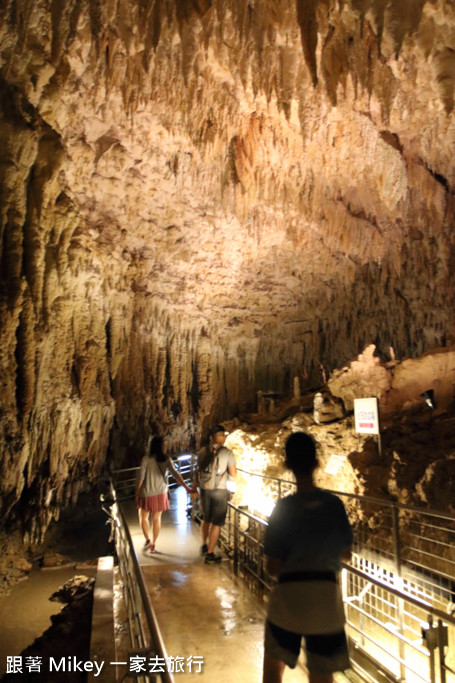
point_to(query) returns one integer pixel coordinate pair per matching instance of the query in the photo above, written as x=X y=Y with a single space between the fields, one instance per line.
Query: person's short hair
x=301 y=456
x=216 y=429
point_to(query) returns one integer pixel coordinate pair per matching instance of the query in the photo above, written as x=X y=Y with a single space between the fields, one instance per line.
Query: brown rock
x=13 y=568
x=52 y=560
x=399 y=385
x=300 y=422
x=327 y=408
x=437 y=486
x=73 y=588
x=364 y=377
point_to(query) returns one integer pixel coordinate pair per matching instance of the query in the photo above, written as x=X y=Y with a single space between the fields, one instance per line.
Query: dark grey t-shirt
x=308 y=531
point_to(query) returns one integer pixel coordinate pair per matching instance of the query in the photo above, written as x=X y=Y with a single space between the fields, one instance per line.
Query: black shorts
x=325 y=653
x=214 y=503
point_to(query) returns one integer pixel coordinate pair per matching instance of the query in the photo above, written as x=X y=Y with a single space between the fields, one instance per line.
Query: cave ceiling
x=200 y=199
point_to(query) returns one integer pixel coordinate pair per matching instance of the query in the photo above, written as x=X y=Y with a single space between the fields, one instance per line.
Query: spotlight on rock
x=428 y=397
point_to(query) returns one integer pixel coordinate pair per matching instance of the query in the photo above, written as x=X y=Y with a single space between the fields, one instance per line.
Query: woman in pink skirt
x=152 y=489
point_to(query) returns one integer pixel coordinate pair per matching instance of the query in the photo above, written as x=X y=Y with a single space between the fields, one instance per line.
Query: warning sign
x=366 y=414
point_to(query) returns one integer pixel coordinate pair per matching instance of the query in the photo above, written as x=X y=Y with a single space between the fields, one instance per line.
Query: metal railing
x=148 y=653
x=125 y=479
x=416 y=544
x=398 y=589
x=404 y=635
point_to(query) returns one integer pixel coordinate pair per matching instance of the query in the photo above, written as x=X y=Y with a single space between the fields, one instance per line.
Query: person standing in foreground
x=152 y=489
x=212 y=473
x=307 y=537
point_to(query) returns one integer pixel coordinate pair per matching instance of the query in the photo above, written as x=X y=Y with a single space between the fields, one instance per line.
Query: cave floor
x=204 y=611
x=27 y=611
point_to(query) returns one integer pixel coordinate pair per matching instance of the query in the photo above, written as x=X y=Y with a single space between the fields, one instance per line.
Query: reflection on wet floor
x=209 y=614
x=204 y=611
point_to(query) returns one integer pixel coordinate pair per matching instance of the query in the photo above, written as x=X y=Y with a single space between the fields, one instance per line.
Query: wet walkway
x=204 y=611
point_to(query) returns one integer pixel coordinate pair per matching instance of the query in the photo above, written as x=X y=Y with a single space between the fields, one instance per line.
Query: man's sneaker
x=204 y=549
x=211 y=558
x=146 y=544
x=150 y=549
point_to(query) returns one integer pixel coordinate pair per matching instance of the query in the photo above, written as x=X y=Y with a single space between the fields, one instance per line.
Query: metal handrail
x=156 y=640
x=136 y=468
x=247 y=548
x=356 y=496
x=440 y=514
x=246 y=545
x=434 y=611
x=399 y=553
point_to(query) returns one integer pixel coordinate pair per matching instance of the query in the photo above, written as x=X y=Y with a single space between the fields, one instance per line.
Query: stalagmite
x=296 y=388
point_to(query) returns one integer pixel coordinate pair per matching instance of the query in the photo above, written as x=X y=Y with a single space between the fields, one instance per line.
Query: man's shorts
x=324 y=653
x=214 y=503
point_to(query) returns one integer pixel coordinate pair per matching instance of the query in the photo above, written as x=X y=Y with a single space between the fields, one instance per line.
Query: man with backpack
x=213 y=471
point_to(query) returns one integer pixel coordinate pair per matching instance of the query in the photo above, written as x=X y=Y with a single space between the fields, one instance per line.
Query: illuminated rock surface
x=412 y=469
x=203 y=199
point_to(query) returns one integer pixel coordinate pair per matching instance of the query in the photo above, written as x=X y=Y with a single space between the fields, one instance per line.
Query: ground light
x=428 y=397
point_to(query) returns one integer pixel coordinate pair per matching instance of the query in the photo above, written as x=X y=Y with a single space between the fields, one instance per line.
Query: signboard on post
x=366 y=413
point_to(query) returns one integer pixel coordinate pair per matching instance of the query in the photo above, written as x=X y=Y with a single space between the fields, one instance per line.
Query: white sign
x=366 y=414
x=334 y=464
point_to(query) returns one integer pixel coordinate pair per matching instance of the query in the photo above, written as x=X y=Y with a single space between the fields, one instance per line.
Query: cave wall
x=200 y=199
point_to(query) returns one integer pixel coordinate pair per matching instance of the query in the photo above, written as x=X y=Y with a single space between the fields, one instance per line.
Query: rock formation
x=201 y=199
x=400 y=386
x=416 y=466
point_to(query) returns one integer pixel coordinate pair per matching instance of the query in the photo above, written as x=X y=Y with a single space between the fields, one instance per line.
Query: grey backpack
x=209 y=474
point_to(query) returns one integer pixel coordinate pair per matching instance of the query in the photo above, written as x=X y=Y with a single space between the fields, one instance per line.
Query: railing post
x=261 y=556
x=362 y=619
x=430 y=646
x=258 y=554
x=193 y=498
x=344 y=584
x=400 y=603
x=442 y=643
x=396 y=538
x=236 y=541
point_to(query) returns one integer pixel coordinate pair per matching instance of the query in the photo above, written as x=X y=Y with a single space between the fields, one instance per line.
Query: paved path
x=204 y=611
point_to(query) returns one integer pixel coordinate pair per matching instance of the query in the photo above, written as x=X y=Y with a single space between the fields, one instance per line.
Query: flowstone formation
x=200 y=199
